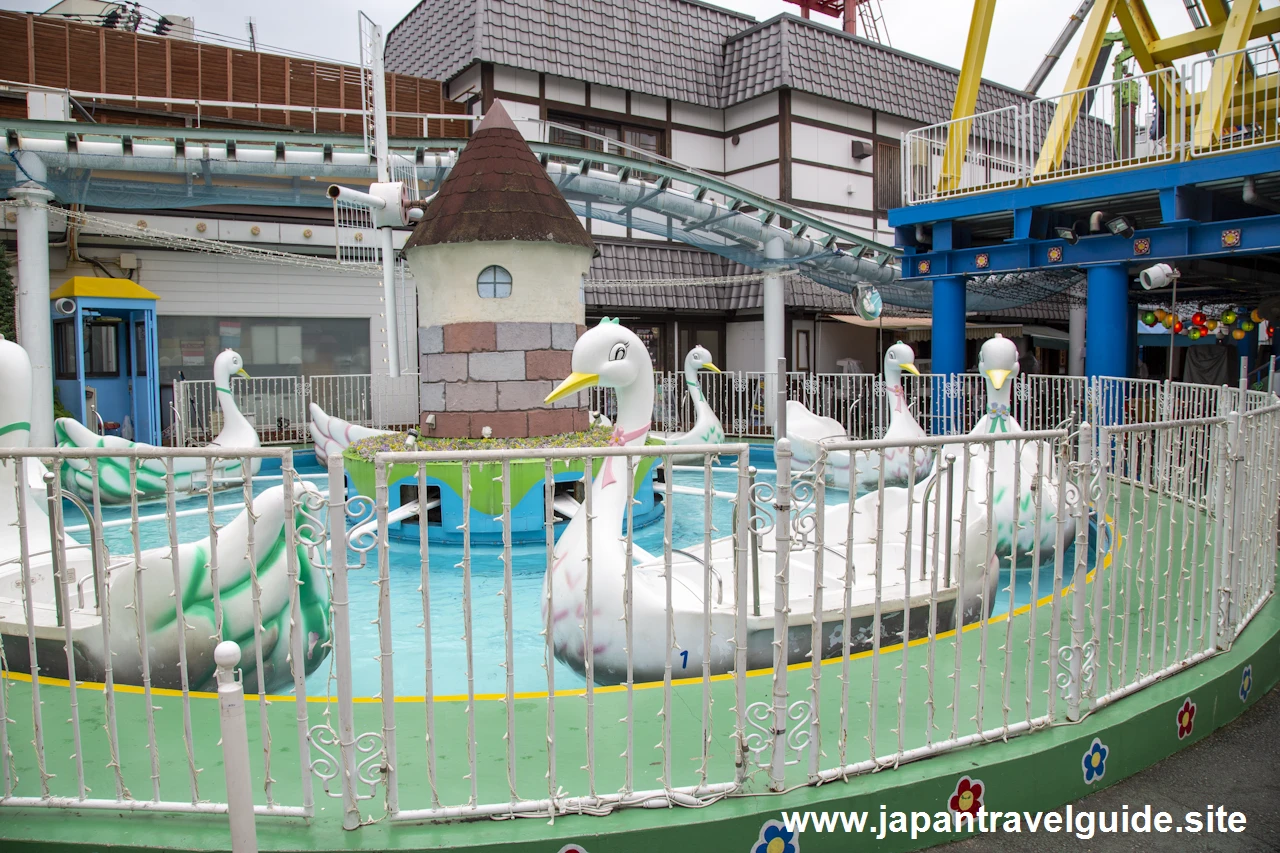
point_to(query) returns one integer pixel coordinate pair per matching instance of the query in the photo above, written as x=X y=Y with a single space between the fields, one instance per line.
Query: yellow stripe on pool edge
x=581 y=691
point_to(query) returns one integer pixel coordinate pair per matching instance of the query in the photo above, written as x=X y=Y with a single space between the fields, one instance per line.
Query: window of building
x=888 y=176
x=140 y=348
x=494 y=283
x=64 y=347
x=101 y=349
x=643 y=138
x=270 y=346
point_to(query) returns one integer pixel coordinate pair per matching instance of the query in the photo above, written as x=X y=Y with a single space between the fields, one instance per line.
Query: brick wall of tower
x=497 y=375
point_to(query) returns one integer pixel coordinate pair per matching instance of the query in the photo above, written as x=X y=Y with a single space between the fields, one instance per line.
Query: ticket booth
x=104 y=356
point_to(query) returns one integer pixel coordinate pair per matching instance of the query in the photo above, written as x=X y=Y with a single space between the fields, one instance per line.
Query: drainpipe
x=1253 y=197
x=35 y=332
x=1075 y=340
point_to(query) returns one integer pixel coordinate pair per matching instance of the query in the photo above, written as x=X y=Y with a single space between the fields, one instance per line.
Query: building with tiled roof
x=788 y=108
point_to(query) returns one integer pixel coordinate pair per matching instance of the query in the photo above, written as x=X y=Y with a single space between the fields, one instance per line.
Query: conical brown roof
x=498 y=191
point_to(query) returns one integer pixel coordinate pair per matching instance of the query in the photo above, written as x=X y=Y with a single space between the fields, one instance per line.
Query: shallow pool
x=488 y=642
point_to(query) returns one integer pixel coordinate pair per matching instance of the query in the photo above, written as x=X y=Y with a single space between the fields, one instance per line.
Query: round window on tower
x=494 y=283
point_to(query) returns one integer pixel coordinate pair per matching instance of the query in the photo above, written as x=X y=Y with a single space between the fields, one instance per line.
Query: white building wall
x=829 y=111
x=754 y=146
x=695 y=116
x=749 y=112
x=566 y=90
x=763 y=180
x=698 y=151
x=607 y=98
x=837 y=340
x=515 y=81
x=648 y=106
x=830 y=186
x=822 y=145
x=466 y=84
x=744 y=345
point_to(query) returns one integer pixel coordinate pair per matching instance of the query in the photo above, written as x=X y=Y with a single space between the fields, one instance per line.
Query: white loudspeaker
x=65 y=306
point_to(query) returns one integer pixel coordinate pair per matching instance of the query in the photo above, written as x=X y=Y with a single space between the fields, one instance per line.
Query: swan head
x=699 y=359
x=227 y=364
x=609 y=355
x=15 y=395
x=998 y=362
x=898 y=358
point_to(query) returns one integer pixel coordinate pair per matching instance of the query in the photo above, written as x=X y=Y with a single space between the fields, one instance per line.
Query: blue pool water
x=446 y=591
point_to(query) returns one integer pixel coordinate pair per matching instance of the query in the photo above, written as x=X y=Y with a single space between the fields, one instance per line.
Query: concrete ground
x=1237 y=767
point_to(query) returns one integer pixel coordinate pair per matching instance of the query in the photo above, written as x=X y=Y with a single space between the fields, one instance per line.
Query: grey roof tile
x=679 y=49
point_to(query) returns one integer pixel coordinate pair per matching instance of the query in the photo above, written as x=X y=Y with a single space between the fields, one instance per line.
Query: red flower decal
x=1186 y=718
x=967 y=796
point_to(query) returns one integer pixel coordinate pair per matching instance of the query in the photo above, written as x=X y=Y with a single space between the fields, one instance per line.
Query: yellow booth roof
x=103 y=288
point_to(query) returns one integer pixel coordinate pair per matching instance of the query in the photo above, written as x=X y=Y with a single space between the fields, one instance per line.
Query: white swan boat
x=707 y=428
x=145 y=588
x=612 y=356
x=189 y=474
x=901 y=464
x=1016 y=473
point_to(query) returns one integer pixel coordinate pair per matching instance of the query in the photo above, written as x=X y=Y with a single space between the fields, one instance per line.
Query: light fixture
x=1068 y=234
x=1120 y=226
x=1157 y=276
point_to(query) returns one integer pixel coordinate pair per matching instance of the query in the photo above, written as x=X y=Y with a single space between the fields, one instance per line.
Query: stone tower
x=500 y=260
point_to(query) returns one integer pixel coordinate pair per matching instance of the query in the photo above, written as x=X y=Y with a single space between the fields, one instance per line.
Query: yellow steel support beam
x=1216 y=10
x=975 y=52
x=1064 y=116
x=1140 y=32
x=1167 y=50
x=1226 y=68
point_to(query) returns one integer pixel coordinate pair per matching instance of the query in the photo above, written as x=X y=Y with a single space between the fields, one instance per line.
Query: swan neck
x=691 y=380
x=635 y=409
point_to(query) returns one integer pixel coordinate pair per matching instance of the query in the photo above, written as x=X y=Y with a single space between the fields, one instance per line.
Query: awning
x=910 y=329
x=1047 y=337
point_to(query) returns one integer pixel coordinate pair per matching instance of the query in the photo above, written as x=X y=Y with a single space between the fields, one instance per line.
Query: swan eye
x=618 y=353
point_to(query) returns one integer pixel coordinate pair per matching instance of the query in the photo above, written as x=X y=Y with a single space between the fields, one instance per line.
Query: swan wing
x=331 y=434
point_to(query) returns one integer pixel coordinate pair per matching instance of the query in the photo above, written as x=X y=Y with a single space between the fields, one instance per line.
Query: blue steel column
x=1107 y=337
x=948 y=348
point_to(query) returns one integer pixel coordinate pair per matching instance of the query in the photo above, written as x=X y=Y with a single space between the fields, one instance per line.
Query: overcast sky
x=1023 y=30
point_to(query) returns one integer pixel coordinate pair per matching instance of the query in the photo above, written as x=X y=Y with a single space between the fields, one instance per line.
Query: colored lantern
x=1177 y=327
x=1197 y=318
x=1149 y=318
x=1161 y=314
x=1248 y=326
x=1237 y=334
x=1271 y=331
x=1195 y=333
x=1255 y=316
x=1211 y=325
x=1167 y=321
x=1229 y=317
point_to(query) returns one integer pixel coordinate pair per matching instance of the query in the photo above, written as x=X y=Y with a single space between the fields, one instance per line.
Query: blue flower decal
x=776 y=838
x=1095 y=762
x=1246 y=683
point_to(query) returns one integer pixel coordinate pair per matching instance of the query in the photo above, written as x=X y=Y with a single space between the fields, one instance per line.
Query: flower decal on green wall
x=1095 y=762
x=1186 y=718
x=1246 y=682
x=776 y=838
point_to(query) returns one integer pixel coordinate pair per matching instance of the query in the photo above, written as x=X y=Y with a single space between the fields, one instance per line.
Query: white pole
x=774 y=304
x=1075 y=340
x=34 y=326
x=235 y=749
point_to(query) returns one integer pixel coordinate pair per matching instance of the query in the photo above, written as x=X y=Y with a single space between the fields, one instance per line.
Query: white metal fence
x=1144 y=544
x=1137 y=119
x=106 y=614
x=279 y=406
x=1250 y=117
